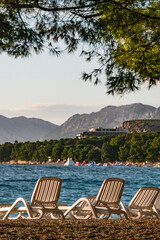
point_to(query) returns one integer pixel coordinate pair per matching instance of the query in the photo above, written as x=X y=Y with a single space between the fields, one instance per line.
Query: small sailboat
x=69 y=162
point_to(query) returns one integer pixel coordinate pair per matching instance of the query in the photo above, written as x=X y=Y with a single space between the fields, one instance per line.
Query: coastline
x=157 y=164
x=80 y=229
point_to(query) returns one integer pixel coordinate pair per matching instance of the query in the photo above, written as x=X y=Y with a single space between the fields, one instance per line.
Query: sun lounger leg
x=15 y=204
x=77 y=203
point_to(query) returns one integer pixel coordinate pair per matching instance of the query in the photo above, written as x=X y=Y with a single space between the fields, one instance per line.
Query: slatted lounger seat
x=106 y=203
x=44 y=201
x=157 y=205
x=142 y=204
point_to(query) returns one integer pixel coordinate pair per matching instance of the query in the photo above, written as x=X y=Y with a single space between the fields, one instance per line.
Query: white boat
x=69 y=162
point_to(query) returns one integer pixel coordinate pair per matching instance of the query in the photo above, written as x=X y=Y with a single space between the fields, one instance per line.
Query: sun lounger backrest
x=144 y=198
x=46 y=191
x=111 y=191
x=157 y=202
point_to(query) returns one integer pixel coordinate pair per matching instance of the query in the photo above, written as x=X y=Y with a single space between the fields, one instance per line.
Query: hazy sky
x=51 y=88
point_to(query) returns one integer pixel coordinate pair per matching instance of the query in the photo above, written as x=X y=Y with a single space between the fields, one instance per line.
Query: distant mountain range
x=33 y=129
x=24 y=129
x=108 y=117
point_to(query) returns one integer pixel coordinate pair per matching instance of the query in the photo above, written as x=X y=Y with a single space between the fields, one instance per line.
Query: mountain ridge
x=34 y=129
x=107 y=117
x=23 y=129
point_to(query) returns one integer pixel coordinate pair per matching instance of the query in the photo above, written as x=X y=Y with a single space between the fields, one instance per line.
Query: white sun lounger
x=106 y=203
x=142 y=204
x=44 y=201
x=157 y=205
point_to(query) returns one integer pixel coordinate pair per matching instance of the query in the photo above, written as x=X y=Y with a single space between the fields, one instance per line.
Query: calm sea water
x=19 y=180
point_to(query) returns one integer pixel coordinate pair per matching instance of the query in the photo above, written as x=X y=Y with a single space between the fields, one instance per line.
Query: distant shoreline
x=157 y=164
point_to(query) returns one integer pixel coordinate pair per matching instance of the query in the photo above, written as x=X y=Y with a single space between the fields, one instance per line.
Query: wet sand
x=79 y=229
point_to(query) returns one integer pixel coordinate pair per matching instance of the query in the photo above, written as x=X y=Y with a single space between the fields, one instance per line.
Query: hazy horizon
x=54 y=113
x=51 y=88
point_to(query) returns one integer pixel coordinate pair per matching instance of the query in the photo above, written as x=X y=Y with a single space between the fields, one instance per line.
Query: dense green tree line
x=133 y=147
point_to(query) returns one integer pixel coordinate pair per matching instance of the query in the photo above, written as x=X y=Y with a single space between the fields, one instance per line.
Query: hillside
x=108 y=117
x=23 y=129
x=142 y=125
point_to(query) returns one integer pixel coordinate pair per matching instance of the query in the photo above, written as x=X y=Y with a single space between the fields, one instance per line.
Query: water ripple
x=19 y=180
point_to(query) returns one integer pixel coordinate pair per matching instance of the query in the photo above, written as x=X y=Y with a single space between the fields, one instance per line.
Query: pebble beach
x=80 y=229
